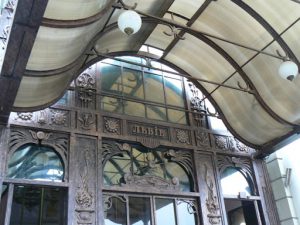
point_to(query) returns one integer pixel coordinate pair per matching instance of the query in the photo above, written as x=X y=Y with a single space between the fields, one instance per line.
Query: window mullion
x=176 y=211
x=9 y=204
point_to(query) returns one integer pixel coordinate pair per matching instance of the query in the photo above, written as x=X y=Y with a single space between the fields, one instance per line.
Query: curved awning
x=228 y=42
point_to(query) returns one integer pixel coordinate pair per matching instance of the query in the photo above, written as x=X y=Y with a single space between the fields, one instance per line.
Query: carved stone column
x=83 y=195
x=209 y=194
x=4 y=137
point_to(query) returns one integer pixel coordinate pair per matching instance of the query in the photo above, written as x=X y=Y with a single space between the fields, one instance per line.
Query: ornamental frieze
x=147 y=130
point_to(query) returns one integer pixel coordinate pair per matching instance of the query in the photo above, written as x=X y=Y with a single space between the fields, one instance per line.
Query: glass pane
x=35 y=162
x=154 y=90
x=115 y=214
x=26 y=206
x=54 y=206
x=38 y=206
x=131 y=59
x=134 y=109
x=133 y=83
x=3 y=203
x=116 y=168
x=176 y=116
x=186 y=212
x=111 y=104
x=111 y=79
x=240 y=212
x=174 y=170
x=164 y=211
x=64 y=99
x=139 y=211
x=233 y=182
x=174 y=92
x=156 y=113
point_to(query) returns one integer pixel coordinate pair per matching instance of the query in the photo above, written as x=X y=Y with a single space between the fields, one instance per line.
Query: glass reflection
x=240 y=212
x=174 y=92
x=111 y=78
x=141 y=161
x=116 y=212
x=35 y=162
x=38 y=206
x=154 y=89
x=233 y=182
x=164 y=211
x=139 y=211
x=186 y=212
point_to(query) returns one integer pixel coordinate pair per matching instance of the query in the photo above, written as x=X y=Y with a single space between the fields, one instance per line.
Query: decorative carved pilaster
x=212 y=205
x=85 y=194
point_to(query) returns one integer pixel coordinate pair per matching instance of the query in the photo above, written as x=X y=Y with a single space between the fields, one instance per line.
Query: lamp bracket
x=283 y=57
x=124 y=6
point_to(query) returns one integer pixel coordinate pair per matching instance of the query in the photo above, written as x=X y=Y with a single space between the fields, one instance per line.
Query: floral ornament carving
x=241 y=147
x=182 y=136
x=84 y=198
x=59 y=117
x=27 y=116
x=202 y=138
x=211 y=200
x=86 y=84
x=108 y=201
x=197 y=103
x=110 y=149
x=112 y=125
x=86 y=120
x=221 y=142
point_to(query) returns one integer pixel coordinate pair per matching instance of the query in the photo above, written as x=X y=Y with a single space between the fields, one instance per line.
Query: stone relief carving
x=84 y=196
x=110 y=149
x=112 y=125
x=86 y=120
x=86 y=89
x=26 y=116
x=182 y=136
x=149 y=181
x=42 y=117
x=229 y=143
x=212 y=205
x=148 y=142
x=59 y=117
x=202 y=138
x=221 y=142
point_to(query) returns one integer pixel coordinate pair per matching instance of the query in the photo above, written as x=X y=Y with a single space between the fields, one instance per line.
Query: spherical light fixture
x=288 y=70
x=129 y=22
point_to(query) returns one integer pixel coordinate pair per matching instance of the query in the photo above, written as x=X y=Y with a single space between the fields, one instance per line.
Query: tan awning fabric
x=270 y=26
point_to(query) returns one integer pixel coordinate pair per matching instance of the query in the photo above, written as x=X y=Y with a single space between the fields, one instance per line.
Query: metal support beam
x=27 y=19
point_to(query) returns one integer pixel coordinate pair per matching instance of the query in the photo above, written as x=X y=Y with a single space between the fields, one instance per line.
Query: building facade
x=129 y=145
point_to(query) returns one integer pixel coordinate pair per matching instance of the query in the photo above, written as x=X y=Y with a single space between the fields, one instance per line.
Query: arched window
x=241 y=205
x=233 y=182
x=158 y=174
x=38 y=200
x=36 y=162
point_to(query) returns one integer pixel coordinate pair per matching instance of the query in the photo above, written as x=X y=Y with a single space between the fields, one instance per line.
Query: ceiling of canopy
x=222 y=45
